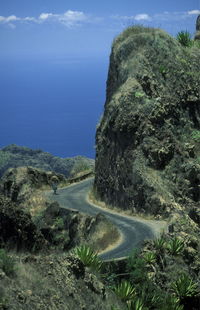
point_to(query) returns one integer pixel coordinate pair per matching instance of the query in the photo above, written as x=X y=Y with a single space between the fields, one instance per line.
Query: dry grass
x=36 y=203
x=106 y=236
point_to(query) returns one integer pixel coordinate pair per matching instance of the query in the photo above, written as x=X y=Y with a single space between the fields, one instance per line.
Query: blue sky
x=83 y=28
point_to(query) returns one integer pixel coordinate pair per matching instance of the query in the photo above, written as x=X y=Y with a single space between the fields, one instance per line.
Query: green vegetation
x=160 y=244
x=133 y=30
x=136 y=304
x=184 y=286
x=3 y=303
x=184 y=38
x=17 y=156
x=88 y=257
x=80 y=166
x=196 y=135
x=151 y=278
x=175 y=246
x=59 y=223
x=149 y=258
x=139 y=94
x=125 y=291
x=7 y=263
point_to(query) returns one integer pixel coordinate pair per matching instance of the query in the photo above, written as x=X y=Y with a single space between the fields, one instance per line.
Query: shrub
x=184 y=287
x=125 y=291
x=88 y=257
x=175 y=246
x=184 y=38
x=7 y=263
x=136 y=265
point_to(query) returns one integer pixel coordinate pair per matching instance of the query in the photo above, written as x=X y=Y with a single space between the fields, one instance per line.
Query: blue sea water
x=53 y=105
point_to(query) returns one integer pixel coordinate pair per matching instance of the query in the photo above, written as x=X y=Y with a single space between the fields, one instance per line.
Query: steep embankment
x=148 y=141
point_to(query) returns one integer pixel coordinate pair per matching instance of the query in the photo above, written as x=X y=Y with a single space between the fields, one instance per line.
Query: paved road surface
x=134 y=230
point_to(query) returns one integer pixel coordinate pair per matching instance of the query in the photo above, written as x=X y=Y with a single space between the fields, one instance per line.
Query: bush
x=184 y=38
x=88 y=257
x=136 y=266
x=7 y=263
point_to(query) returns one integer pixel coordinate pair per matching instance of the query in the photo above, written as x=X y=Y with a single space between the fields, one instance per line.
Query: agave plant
x=171 y=303
x=125 y=291
x=175 y=246
x=136 y=304
x=114 y=308
x=88 y=257
x=149 y=257
x=159 y=244
x=184 y=38
x=184 y=287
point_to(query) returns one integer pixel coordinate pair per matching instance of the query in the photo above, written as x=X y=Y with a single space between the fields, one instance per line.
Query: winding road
x=132 y=229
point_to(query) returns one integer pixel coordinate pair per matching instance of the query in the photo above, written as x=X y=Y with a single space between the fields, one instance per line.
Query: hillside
x=148 y=141
x=38 y=266
x=13 y=156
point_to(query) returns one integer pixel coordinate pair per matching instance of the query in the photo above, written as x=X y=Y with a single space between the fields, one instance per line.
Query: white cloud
x=45 y=16
x=11 y=18
x=137 y=17
x=142 y=17
x=194 y=12
x=29 y=19
x=69 y=18
x=72 y=18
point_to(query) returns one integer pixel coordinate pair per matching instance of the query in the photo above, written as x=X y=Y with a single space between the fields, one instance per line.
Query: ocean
x=53 y=105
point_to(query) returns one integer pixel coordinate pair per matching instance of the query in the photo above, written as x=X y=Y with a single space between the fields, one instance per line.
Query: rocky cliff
x=148 y=141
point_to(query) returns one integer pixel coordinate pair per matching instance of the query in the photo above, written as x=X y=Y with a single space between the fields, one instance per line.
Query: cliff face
x=148 y=141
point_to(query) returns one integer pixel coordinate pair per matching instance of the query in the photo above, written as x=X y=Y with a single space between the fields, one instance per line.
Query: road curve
x=133 y=230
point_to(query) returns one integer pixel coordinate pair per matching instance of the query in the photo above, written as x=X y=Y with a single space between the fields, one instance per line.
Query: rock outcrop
x=19 y=183
x=65 y=229
x=17 y=229
x=197 y=34
x=148 y=141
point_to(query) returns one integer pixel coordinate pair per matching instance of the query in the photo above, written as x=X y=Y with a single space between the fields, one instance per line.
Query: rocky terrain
x=148 y=141
x=37 y=268
x=13 y=156
x=53 y=282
